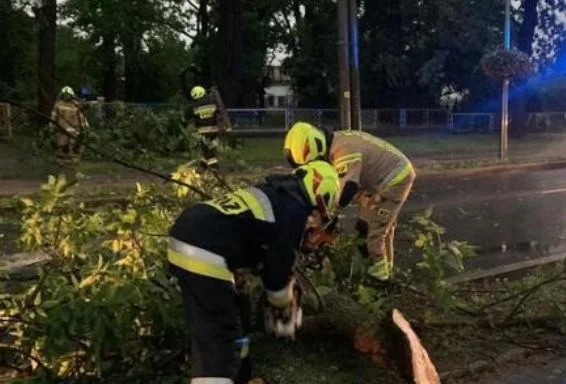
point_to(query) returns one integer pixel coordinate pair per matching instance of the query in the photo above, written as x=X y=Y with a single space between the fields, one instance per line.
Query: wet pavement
x=511 y=215
x=521 y=213
x=552 y=370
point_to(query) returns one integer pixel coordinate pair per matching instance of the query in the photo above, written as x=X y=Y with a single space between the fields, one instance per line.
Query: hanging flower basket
x=502 y=64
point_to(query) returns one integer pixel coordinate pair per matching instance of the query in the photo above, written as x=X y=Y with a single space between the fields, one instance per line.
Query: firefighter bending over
x=207 y=115
x=251 y=228
x=68 y=115
x=372 y=171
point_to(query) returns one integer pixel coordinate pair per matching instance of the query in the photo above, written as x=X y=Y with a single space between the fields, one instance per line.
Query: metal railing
x=472 y=122
x=547 y=122
x=404 y=121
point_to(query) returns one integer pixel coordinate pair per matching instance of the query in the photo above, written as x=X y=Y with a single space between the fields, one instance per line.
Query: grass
x=18 y=161
x=269 y=150
x=262 y=150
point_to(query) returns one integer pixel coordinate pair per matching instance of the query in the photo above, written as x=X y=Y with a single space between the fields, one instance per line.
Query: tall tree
x=18 y=42
x=308 y=30
x=229 y=65
x=411 y=49
x=518 y=103
x=118 y=30
x=46 y=16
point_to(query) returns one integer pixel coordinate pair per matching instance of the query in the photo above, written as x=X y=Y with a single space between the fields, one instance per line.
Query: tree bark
x=109 y=82
x=206 y=65
x=229 y=66
x=46 y=16
x=131 y=69
x=520 y=92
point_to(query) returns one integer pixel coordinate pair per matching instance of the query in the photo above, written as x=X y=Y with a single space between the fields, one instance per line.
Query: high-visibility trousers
x=378 y=218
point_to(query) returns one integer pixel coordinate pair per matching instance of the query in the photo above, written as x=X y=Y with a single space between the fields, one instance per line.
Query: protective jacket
x=68 y=115
x=205 y=113
x=258 y=227
x=371 y=163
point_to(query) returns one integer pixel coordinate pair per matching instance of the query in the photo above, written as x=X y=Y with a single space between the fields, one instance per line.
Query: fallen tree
x=102 y=305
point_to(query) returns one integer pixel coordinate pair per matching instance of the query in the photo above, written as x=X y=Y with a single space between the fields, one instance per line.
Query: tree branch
x=519 y=294
x=195 y=7
x=529 y=293
x=177 y=29
x=10 y=348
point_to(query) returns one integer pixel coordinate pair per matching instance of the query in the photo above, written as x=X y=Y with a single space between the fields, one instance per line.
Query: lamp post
x=348 y=59
x=355 y=67
x=345 y=100
x=503 y=140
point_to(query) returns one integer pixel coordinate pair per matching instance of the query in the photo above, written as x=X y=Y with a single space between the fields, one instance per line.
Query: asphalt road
x=509 y=215
x=520 y=212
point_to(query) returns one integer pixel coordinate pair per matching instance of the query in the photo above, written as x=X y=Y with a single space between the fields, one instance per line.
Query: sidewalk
x=426 y=168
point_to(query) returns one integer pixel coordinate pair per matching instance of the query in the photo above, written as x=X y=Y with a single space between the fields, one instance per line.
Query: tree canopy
x=135 y=50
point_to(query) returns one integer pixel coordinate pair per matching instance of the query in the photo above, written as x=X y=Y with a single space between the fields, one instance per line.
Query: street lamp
x=503 y=140
x=348 y=58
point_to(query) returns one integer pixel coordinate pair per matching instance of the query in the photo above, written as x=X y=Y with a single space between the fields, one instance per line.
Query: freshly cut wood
x=389 y=341
x=416 y=365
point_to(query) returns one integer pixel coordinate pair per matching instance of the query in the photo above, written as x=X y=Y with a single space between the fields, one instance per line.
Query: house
x=279 y=93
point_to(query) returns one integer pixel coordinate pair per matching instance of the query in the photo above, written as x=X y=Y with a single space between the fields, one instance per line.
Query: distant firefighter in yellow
x=68 y=115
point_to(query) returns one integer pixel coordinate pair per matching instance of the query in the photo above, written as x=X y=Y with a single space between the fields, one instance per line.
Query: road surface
x=510 y=216
x=522 y=212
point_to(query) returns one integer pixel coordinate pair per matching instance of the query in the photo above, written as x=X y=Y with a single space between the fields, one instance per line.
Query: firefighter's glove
x=284 y=321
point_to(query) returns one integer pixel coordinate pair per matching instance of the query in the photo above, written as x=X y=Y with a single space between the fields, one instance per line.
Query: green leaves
x=92 y=310
x=502 y=64
x=437 y=258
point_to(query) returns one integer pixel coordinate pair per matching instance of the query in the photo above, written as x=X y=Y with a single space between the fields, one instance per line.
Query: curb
x=554 y=257
x=492 y=169
x=422 y=173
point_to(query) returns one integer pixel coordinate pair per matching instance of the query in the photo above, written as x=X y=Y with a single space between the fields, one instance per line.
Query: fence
x=547 y=121
x=389 y=121
x=472 y=122
x=386 y=122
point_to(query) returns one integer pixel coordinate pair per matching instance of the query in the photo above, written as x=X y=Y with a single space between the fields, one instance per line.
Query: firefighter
x=68 y=115
x=207 y=116
x=372 y=172
x=256 y=228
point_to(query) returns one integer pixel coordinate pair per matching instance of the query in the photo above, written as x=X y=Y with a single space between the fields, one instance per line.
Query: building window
x=282 y=101
x=270 y=101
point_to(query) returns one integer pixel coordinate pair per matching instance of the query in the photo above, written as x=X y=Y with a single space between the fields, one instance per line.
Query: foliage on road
x=103 y=307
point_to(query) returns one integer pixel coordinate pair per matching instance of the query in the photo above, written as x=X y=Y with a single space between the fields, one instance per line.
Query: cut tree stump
x=389 y=341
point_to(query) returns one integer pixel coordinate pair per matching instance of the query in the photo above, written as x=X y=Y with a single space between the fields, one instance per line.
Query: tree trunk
x=229 y=66
x=46 y=15
x=206 y=65
x=131 y=70
x=109 y=82
x=519 y=108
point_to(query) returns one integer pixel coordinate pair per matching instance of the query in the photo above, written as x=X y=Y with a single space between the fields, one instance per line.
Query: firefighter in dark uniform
x=257 y=228
x=206 y=114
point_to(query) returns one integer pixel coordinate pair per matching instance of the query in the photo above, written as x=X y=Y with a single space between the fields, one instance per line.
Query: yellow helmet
x=321 y=184
x=305 y=142
x=198 y=92
x=68 y=91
